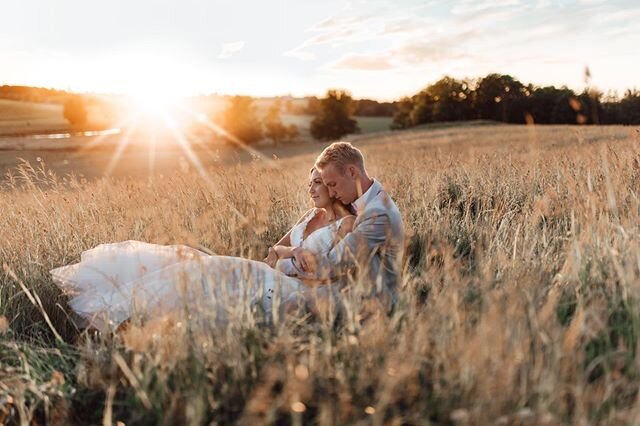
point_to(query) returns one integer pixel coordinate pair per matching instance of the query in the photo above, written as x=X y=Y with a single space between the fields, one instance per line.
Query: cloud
x=469 y=38
x=420 y=52
x=415 y=53
x=473 y=6
x=616 y=16
x=300 y=53
x=363 y=63
x=336 y=23
x=396 y=27
x=229 y=49
x=336 y=31
x=332 y=34
x=338 y=36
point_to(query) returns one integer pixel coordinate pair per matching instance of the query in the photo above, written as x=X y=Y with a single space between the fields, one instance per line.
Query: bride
x=115 y=282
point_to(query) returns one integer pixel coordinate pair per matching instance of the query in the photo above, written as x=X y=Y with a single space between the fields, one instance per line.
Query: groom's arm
x=355 y=248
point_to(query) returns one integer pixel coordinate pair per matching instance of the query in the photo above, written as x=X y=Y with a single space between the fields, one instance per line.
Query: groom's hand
x=306 y=259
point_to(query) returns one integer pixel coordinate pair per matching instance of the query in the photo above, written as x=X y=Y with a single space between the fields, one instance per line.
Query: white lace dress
x=113 y=282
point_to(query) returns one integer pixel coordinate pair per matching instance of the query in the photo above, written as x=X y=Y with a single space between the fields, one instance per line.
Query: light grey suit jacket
x=376 y=242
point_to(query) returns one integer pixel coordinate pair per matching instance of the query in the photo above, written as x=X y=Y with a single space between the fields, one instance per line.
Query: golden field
x=518 y=304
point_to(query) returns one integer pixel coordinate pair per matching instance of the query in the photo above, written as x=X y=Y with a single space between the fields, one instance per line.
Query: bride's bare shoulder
x=308 y=213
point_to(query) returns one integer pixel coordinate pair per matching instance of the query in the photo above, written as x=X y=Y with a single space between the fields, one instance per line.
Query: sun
x=154 y=103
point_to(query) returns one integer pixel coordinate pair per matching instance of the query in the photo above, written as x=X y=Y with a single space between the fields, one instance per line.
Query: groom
x=375 y=246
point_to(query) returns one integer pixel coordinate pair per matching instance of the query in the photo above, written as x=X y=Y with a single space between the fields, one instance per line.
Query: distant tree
x=240 y=119
x=629 y=109
x=548 y=104
x=402 y=116
x=566 y=108
x=447 y=99
x=274 y=128
x=422 y=111
x=313 y=105
x=75 y=110
x=590 y=110
x=371 y=108
x=334 y=118
x=292 y=132
x=610 y=109
x=451 y=100
x=289 y=107
x=501 y=98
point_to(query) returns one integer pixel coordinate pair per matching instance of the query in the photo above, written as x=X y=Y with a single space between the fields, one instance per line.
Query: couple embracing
x=353 y=233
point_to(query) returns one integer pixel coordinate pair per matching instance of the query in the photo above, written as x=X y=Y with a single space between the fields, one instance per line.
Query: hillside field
x=518 y=305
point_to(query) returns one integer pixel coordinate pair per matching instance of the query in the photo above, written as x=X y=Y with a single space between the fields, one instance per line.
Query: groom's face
x=341 y=184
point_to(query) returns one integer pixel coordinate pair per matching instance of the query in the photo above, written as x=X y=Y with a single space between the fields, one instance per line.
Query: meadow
x=20 y=117
x=518 y=304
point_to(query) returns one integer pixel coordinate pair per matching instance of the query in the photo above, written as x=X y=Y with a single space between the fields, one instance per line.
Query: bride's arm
x=307 y=259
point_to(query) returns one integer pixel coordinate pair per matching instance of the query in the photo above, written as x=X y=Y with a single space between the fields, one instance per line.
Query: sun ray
x=121 y=147
x=201 y=118
x=152 y=152
x=100 y=138
x=186 y=147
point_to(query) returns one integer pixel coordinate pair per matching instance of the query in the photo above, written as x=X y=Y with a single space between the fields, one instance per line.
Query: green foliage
x=500 y=97
x=614 y=348
x=402 y=117
x=624 y=111
x=446 y=100
x=371 y=108
x=566 y=306
x=334 y=117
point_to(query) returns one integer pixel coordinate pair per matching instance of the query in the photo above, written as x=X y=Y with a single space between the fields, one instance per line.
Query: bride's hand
x=272 y=258
x=306 y=259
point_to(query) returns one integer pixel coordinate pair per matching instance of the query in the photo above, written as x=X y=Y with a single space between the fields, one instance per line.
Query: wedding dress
x=113 y=282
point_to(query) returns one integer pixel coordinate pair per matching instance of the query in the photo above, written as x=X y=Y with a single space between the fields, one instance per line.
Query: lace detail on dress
x=320 y=241
x=297 y=233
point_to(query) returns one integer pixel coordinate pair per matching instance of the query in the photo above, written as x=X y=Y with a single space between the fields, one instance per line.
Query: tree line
x=33 y=94
x=501 y=97
x=332 y=120
x=496 y=97
x=359 y=107
x=242 y=122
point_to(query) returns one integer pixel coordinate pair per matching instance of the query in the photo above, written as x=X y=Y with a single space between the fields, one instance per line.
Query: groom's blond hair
x=341 y=154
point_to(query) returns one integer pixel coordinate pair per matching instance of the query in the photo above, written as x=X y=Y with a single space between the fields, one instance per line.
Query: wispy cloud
x=337 y=31
x=473 y=6
x=424 y=52
x=363 y=63
x=409 y=37
x=337 y=22
x=229 y=49
x=407 y=26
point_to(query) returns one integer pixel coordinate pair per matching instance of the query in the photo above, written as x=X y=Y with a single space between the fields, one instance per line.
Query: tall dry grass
x=518 y=305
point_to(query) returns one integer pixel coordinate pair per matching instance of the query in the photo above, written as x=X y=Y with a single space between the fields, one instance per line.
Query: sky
x=379 y=49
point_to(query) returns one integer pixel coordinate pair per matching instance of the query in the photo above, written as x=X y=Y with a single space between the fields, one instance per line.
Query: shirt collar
x=361 y=202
